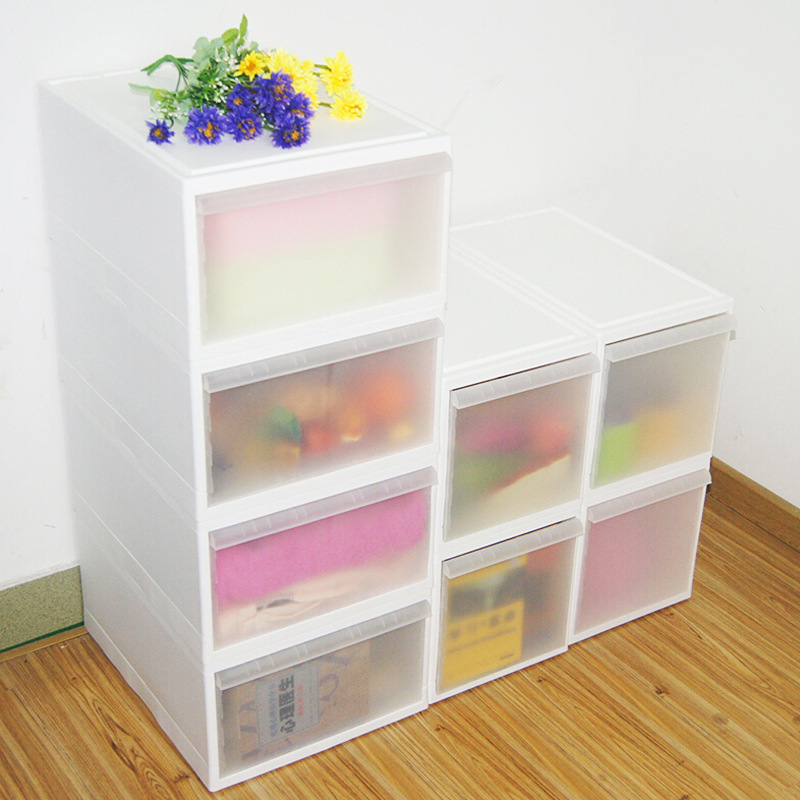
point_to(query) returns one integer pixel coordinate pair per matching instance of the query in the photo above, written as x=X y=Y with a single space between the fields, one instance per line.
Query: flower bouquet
x=230 y=87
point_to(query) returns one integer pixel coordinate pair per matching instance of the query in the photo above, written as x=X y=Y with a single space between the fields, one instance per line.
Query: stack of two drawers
x=250 y=347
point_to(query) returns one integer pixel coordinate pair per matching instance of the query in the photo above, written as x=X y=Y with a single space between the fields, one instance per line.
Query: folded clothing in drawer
x=325 y=563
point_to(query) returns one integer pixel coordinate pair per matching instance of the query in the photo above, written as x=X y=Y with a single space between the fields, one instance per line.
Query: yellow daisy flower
x=349 y=104
x=254 y=63
x=301 y=72
x=338 y=74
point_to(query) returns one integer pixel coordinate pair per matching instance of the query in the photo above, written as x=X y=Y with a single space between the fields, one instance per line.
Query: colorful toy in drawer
x=303 y=423
x=286 y=709
x=294 y=573
x=654 y=434
x=484 y=625
x=498 y=444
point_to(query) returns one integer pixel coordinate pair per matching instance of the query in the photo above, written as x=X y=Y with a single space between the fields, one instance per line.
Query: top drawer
x=287 y=253
x=210 y=244
x=660 y=397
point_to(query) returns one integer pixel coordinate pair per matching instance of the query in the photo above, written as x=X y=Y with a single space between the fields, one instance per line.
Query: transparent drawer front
x=640 y=553
x=506 y=604
x=288 y=701
x=517 y=445
x=286 y=253
x=330 y=407
x=661 y=398
x=306 y=561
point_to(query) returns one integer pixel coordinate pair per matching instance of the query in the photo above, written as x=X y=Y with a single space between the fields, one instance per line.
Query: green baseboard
x=40 y=608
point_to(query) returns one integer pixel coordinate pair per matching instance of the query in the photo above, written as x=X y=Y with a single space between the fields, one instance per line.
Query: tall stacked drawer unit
x=250 y=349
x=662 y=338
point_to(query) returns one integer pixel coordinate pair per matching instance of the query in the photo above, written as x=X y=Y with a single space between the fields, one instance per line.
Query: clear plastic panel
x=660 y=406
x=298 y=564
x=275 y=430
x=286 y=253
x=516 y=455
x=305 y=695
x=513 y=609
x=641 y=558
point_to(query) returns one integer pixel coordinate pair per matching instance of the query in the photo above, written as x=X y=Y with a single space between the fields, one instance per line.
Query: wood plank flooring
x=700 y=701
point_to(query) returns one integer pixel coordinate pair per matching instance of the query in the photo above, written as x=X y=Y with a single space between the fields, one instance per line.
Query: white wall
x=673 y=124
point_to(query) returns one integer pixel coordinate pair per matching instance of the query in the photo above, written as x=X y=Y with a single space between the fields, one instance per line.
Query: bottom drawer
x=505 y=606
x=639 y=553
x=326 y=691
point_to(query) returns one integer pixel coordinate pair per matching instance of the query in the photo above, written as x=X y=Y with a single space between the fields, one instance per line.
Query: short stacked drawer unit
x=662 y=339
x=250 y=348
x=518 y=383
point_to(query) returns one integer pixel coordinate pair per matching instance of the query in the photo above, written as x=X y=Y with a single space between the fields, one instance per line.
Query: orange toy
x=386 y=396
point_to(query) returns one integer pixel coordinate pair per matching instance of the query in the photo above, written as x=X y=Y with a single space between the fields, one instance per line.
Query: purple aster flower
x=263 y=100
x=239 y=98
x=298 y=107
x=290 y=132
x=279 y=87
x=205 y=126
x=159 y=132
x=243 y=125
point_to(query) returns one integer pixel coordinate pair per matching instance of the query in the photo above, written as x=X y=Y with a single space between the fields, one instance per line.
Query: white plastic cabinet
x=250 y=347
x=662 y=338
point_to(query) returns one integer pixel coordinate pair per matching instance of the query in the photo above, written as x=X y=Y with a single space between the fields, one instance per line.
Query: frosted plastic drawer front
x=289 y=252
x=322 y=409
x=506 y=605
x=661 y=397
x=342 y=682
x=639 y=553
x=306 y=561
x=517 y=445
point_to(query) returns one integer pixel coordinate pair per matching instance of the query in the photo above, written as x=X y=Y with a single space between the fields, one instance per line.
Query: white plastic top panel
x=491 y=328
x=109 y=100
x=611 y=288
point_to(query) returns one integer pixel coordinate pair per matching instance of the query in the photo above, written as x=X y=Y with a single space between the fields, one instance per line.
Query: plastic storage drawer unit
x=307 y=561
x=301 y=700
x=660 y=396
x=639 y=553
x=517 y=445
x=298 y=250
x=303 y=414
x=505 y=606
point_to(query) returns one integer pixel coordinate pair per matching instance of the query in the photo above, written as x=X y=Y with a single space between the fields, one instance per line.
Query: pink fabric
x=253 y=569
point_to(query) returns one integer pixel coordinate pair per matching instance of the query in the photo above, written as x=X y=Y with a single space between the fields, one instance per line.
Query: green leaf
x=243 y=28
x=178 y=63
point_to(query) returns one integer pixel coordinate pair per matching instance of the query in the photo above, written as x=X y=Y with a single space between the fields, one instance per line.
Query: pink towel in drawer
x=253 y=569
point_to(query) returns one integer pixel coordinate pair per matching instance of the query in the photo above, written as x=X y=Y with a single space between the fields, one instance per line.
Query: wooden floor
x=697 y=702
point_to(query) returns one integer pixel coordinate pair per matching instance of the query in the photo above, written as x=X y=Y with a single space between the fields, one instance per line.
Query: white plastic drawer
x=306 y=561
x=331 y=687
x=285 y=253
x=661 y=395
x=300 y=415
x=517 y=445
x=640 y=552
x=506 y=605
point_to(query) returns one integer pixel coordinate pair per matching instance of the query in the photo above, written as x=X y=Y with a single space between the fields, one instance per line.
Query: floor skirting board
x=40 y=608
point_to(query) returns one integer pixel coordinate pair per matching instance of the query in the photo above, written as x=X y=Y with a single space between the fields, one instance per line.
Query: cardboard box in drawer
x=282 y=711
